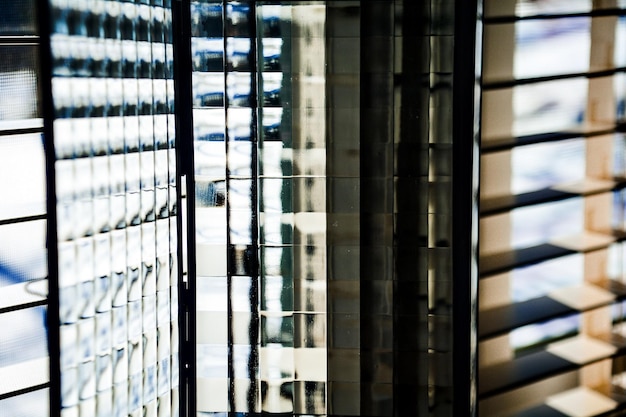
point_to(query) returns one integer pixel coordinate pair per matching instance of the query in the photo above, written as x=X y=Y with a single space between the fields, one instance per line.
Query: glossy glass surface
x=251 y=211
x=116 y=207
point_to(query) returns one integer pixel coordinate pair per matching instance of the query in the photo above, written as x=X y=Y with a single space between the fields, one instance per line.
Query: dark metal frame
x=181 y=21
x=466 y=110
x=54 y=340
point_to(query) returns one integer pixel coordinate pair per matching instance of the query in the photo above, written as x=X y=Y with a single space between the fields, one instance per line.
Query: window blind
x=551 y=231
x=23 y=272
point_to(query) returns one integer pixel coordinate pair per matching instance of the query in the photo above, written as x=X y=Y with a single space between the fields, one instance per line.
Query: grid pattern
x=293 y=201
x=115 y=170
x=261 y=324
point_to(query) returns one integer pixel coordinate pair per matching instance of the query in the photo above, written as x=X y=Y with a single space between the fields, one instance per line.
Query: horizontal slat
x=592 y=13
x=499 y=320
x=500 y=204
x=533 y=367
x=505 y=261
x=562 y=302
x=23 y=219
x=494 y=85
x=23 y=295
x=544 y=410
x=24 y=377
x=521 y=371
x=18 y=127
x=494 y=205
x=503 y=144
x=540 y=411
x=19 y=40
x=494 y=263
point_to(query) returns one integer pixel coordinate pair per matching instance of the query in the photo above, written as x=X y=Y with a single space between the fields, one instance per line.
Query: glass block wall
x=114 y=195
x=323 y=147
x=260 y=206
x=225 y=115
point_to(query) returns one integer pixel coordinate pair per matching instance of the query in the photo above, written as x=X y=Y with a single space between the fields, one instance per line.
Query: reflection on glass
x=116 y=205
x=249 y=361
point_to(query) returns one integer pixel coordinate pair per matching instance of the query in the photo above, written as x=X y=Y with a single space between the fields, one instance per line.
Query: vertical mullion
x=52 y=317
x=186 y=232
x=229 y=252
x=467 y=29
x=253 y=359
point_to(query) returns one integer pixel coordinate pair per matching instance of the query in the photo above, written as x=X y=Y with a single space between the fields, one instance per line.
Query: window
x=551 y=229
x=249 y=207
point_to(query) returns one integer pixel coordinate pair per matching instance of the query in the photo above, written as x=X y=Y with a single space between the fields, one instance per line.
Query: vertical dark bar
x=255 y=96
x=465 y=197
x=411 y=286
x=379 y=366
x=181 y=22
x=47 y=106
x=230 y=266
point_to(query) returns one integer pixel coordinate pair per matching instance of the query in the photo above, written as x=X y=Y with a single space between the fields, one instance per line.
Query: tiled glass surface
x=212 y=288
x=250 y=206
x=116 y=207
x=293 y=206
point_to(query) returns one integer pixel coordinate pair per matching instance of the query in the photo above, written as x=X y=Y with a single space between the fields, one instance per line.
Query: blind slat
x=23 y=295
x=23 y=377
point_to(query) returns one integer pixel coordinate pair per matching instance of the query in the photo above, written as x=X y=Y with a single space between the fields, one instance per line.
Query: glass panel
x=544 y=165
x=22 y=252
x=539 y=224
x=552 y=106
x=551 y=46
x=534 y=335
x=539 y=280
x=210 y=150
x=22 y=168
x=33 y=404
x=228 y=225
x=26 y=341
x=19 y=73
x=116 y=204
x=18 y=17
